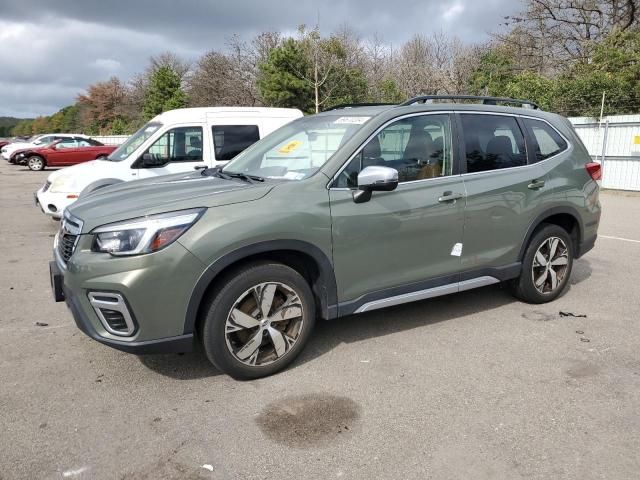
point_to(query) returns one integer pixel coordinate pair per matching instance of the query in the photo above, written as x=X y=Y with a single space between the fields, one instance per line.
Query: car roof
x=391 y=111
x=202 y=113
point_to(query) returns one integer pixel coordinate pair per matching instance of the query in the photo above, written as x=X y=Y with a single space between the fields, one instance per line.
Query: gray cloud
x=51 y=51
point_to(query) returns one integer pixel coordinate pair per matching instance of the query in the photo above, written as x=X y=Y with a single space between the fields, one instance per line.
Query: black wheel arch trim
x=325 y=289
x=565 y=209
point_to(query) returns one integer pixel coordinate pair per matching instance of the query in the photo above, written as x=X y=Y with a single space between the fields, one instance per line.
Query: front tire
x=546 y=266
x=35 y=163
x=258 y=321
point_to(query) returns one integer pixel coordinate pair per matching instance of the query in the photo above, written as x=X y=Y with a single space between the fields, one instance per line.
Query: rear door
x=505 y=190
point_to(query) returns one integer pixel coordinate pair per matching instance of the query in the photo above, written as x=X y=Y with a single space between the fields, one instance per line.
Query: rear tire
x=546 y=266
x=258 y=322
x=36 y=163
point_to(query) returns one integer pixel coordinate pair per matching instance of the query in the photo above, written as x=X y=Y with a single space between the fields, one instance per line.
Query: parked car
x=175 y=141
x=344 y=212
x=62 y=153
x=4 y=142
x=36 y=141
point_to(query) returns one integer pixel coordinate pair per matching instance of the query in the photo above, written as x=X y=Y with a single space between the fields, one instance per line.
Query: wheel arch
x=565 y=217
x=307 y=259
x=96 y=185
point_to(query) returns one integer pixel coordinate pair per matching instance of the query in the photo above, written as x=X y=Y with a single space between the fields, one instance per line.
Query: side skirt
x=429 y=289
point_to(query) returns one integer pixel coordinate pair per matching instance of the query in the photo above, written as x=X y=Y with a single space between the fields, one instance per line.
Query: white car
x=175 y=141
x=36 y=141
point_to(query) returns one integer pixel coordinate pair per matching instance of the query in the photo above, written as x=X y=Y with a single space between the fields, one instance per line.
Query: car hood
x=92 y=171
x=163 y=194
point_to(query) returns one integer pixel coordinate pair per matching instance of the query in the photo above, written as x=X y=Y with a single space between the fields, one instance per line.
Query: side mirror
x=372 y=179
x=151 y=161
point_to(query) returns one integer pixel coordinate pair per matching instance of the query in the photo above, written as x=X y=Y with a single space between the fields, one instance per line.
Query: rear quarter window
x=547 y=142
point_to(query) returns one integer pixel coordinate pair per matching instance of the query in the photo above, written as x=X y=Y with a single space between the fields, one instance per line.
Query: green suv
x=347 y=211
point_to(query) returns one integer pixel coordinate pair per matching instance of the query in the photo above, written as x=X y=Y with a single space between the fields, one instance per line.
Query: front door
x=179 y=149
x=406 y=240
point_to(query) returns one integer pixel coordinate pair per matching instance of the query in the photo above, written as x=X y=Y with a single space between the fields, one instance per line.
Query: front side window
x=546 y=141
x=492 y=142
x=417 y=147
x=230 y=140
x=182 y=144
x=134 y=141
x=299 y=148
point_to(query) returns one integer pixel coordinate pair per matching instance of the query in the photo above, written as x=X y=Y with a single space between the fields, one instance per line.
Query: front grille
x=66 y=245
x=68 y=236
x=46 y=186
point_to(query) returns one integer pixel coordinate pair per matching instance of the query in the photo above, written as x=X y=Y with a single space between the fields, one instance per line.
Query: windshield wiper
x=217 y=172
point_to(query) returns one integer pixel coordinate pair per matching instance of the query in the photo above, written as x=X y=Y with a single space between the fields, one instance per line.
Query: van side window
x=492 y=142
x=230 y=140
x=417 y=147
x=182 y=144
x=546 y=141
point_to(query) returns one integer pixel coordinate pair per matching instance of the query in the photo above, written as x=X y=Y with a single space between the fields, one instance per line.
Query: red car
x=62 y=153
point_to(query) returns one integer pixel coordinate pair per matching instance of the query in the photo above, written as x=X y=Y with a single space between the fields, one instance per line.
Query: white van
x=174 y=141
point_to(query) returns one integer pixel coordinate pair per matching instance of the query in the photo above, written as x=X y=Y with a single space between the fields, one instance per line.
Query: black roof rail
x=353 y=105
x=485 y=100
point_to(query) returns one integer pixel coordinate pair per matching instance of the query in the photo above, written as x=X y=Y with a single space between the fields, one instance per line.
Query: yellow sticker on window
x=292 y=146
x=636 y=139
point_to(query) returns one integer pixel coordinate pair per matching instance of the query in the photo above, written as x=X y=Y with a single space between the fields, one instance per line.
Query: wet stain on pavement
x=583 y=370
x=538 y=316
x=304 y=421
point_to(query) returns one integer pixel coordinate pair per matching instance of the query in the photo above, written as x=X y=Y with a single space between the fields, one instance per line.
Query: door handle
x=200 y=167
x=449 y=196
x=536 y=184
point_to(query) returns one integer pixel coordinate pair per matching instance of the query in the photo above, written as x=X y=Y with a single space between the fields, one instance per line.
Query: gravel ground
x=473 y=385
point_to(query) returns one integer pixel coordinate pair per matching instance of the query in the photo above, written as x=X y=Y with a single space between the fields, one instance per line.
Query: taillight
x=594 y=169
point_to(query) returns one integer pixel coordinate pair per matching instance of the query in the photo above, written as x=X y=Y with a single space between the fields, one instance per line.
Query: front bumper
x=155 y=287
x=53 y=204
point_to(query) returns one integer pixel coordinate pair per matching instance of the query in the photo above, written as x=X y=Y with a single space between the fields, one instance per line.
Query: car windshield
x=298 y=149
x=133 y=142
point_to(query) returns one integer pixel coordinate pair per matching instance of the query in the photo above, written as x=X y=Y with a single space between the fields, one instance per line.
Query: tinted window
x=492 y=142
x=183 y=144
x=546 y=141
x=417 y=147
x=230 y=140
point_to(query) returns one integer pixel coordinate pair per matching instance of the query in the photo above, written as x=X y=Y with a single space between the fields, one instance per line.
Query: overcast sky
x=52 y=50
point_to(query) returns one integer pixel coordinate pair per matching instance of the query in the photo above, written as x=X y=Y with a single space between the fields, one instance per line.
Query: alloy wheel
x=264 y=324
x=550 y=264
x=35 y=163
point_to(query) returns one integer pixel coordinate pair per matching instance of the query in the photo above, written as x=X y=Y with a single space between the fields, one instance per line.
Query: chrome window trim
x=461 y=112
x=376 y=132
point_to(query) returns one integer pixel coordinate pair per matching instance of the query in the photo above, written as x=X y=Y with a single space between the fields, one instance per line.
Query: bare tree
x=550 y=34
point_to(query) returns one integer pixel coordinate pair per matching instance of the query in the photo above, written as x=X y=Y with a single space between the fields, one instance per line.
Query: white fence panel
x=618 y=138
x=111 y=139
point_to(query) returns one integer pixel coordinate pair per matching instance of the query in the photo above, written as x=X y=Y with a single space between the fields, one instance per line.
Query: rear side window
x=492 y=142
x=230 y=140
x=546 y=141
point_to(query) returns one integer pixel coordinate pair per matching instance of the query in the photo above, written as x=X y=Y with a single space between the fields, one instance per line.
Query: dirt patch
x=583 y=370
x=304 y=421
x=539 y=316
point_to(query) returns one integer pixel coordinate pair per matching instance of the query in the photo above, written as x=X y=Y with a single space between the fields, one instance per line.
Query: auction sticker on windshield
x=289 y=147
x=352 y=120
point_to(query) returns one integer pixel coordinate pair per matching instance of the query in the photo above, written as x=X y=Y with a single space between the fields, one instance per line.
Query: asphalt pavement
x=474 y=385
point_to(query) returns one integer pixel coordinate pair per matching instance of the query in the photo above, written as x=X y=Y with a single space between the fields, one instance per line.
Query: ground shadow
x=355 y=328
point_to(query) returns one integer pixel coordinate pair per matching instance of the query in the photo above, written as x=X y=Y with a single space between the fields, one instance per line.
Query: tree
x=278 y=82
x=102 y=105
x=164 y=93
x=552 y=34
